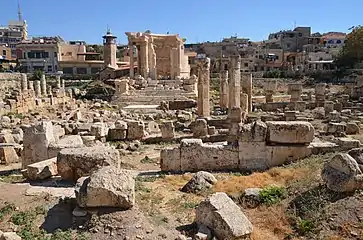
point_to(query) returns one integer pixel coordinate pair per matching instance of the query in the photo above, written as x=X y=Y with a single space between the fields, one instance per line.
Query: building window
x=300 y=34
x=339 y=41
x=55 y=54
x=95 y=70
x=224 y=48
x=50 y=69
x=246 y=64
x=68 y=70
x=4 y=52
x=331 y=41
x=46 y=55
x=81 y=70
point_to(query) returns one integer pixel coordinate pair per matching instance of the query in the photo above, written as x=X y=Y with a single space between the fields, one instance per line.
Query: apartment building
x=12 y=34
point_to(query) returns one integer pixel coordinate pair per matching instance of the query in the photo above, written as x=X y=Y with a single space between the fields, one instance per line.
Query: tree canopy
x=352 y=52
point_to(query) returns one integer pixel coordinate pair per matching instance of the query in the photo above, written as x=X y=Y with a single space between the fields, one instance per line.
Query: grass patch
x=190 y=205
x=12 y=178
x=305 y=226
x=150 y=179
x=272 y=195
x=6 y=210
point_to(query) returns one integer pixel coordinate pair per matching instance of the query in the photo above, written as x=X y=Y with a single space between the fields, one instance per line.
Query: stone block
x=116 y=134
x=170 y=160
x=136 y=130
x=8 y=155
x=200 y=128
x=220 y=213
x=254 y=132
x=42 y=170
x=107 y=187
x=99 y=130
x=167 y=130
x=290 y=132
x=73 y=163
x=68 y=141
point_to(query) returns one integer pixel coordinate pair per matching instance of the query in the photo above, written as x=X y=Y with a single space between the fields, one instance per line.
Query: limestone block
x=220 y=213
x=334 y=128
x=342 y=174
x=42 y=170
x=352 y=128
x=285 y=154
x=346 y=143
x=107 y=187
x=135 y=130
x=36 y=141
x=200 y=128
x=99 y=130
x=170 y=159
x=119 y=124
x=8 y=155
x=197 y=156
x=254 y=156
x=73 y=163
x=116 y=134
x=153 y=127
x=290 y=132
x=58 y=131
x=88 y=140
x=200 y=181
x=254 y=132
x=167 y=130
x=69 y=141
x=9 y=236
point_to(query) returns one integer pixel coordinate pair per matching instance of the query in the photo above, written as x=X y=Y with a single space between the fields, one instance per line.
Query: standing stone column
x=43 y=85
x=234 y=83
x=203 y=67
x=31 y=86
x=37 y=88
x=58 y=79
x=144 y=60
x=295 y=90
x=247 y=88
x=244 y=102
x=131 y=55
x=24 y=82
x=223 y=91
x=49 y=90
x=152 y=61
x=320 y=94
x=63 y=82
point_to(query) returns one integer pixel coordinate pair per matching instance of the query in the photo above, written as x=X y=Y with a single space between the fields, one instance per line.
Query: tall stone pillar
x=234 y=83
x=31 y=86
x=244 y=102
x=131 y=55
x=320 y=94
x=295 y=90
x=144 y=60
x=43 y=85
x=152 y=61
x=63 y=83
x=203 y=68
x=224 y=90
x=247 y=88
x=58 y=81
x=24 y=82
x=37 y=88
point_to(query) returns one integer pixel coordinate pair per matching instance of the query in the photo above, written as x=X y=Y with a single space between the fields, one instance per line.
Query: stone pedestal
x=224 y=90
x=122 y=86
x=167 y=130
x=320 y=94
x=58 y=81
x=234 y=83
x=203 y=105
x=295 y=90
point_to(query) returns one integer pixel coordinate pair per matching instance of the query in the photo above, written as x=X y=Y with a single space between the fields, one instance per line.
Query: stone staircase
x=151 y=96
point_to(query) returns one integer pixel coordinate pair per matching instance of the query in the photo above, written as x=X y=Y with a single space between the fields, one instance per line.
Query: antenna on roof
x=20 y=18
x=294 y=24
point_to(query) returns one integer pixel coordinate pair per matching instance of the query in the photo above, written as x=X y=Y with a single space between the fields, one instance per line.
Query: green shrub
x=272 y=195
x=305 y=226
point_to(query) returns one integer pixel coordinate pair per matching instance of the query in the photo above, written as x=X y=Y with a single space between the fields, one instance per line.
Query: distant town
x=298 y=49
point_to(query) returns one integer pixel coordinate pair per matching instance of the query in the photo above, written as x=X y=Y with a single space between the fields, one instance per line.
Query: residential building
x=14 y=33
x=289 y=40
x=7 y=62
x=39 y=53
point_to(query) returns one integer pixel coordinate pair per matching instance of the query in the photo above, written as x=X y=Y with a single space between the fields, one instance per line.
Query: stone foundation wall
x=259 y=146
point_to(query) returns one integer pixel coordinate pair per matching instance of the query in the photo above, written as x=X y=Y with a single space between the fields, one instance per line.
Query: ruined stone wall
x=10 y=76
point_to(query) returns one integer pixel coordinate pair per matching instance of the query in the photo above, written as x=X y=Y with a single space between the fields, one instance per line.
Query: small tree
x=352 y=52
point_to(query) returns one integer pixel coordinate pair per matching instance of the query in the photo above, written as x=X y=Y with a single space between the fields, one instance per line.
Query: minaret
x=20 y=17
x=109 y=49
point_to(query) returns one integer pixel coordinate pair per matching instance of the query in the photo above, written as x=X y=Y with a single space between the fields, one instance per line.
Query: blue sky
x=196 y=20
